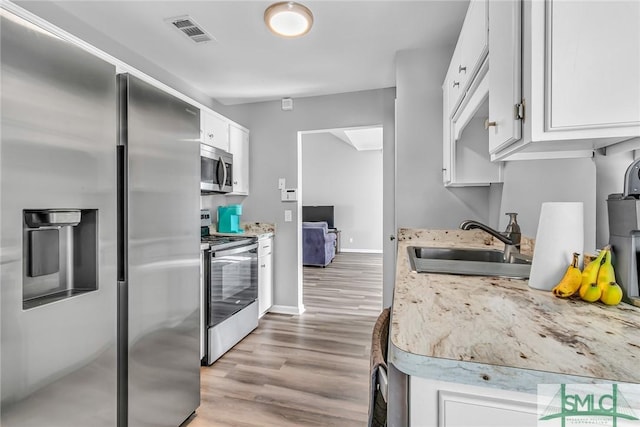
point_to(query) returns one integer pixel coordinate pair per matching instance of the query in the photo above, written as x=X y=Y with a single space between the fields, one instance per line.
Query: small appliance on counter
x=229 y=219
x=624 y=232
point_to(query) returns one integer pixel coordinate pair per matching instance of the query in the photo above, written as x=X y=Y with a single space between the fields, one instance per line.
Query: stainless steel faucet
x=510 y=236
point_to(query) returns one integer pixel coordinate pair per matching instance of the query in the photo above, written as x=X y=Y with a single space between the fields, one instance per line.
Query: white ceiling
x=351 y=46
x=362 y=139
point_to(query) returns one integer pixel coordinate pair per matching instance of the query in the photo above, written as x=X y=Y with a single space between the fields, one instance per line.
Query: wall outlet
x=287 y=216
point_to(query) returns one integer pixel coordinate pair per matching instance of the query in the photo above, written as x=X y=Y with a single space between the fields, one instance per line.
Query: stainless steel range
x=230 y=291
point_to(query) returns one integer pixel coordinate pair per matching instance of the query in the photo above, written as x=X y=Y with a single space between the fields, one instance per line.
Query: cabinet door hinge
x=519 y=111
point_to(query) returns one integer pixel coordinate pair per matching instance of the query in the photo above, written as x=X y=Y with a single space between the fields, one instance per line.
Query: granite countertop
x=252 y=229
x=500 y=332
x=260 y=230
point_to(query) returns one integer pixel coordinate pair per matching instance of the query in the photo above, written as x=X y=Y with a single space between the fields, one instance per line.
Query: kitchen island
x=495 y=337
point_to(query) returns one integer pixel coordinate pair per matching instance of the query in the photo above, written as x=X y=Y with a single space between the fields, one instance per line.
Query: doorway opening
x=340 y=175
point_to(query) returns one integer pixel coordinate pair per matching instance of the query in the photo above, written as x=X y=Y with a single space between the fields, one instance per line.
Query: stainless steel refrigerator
x=99 y=244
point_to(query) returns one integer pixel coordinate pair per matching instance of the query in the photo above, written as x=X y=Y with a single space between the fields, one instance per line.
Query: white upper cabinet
x=466 y=159
x=215 y=130
x=474 y=38
x=239 y=147
x=580 y=77
x=505 y=74
x=220 y=132
x=446 y=132
x=594 y=46
x=454 y=83
x=469 y=54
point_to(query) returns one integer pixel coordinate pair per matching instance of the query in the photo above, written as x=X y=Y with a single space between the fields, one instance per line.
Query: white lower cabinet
x=445 y=404
x=265 y=275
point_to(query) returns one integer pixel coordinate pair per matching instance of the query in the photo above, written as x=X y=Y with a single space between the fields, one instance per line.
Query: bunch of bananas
x=596 y=282
x=570 y=283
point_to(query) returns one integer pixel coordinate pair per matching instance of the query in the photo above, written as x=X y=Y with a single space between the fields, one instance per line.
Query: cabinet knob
x=263 y=265
x=392 y=237
x=461 y=69
x=456 y=84
x=211 y=135
x=488 y=124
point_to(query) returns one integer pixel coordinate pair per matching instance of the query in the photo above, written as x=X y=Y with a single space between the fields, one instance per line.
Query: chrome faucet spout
x=510 y=237
x=471 y=224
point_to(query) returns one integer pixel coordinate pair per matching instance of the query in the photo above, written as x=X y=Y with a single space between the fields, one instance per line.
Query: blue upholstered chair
x=318 y=245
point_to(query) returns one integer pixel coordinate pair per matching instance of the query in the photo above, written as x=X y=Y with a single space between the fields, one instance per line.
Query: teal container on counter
x=229 y=219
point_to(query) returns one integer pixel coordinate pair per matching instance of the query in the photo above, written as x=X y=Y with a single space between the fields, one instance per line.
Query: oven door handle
x=241 y=249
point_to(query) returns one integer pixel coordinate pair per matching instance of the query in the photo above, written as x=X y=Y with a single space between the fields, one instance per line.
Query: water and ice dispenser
x=60 y=252
x=624 y=232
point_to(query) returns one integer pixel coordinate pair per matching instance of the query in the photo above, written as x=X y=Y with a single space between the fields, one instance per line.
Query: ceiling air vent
x=189 y=28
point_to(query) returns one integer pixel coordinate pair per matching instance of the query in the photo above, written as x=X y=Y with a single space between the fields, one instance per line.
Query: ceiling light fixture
x=288 y=19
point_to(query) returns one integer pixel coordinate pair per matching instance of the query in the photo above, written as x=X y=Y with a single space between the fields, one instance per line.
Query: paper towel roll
x=560 y=234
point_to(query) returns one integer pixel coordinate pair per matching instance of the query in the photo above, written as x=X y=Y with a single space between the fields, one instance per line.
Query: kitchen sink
x=468 y=261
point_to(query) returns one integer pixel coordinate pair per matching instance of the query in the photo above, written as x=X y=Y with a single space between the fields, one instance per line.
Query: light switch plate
x=281 y=183
x=287 y=216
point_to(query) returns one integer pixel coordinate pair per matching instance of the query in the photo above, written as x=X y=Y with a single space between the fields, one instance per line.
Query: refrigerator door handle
x=121 y=213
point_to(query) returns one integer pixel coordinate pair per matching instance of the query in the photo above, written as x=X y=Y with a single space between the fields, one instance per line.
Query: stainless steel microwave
x=216 y=170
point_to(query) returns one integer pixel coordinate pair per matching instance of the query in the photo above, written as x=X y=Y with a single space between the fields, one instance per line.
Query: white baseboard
x=287 y=309
x=362 y=251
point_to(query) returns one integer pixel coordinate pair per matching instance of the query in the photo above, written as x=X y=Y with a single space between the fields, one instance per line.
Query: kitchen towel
x=560 y=234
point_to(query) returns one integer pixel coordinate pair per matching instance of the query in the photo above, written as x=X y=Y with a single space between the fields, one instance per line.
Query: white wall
x=421 y=199
x=335 y=173
x=274 y=154
x=66 y=21
x=529 y=183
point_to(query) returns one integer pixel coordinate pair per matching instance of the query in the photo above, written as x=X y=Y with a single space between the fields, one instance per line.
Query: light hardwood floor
x=307 y=370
